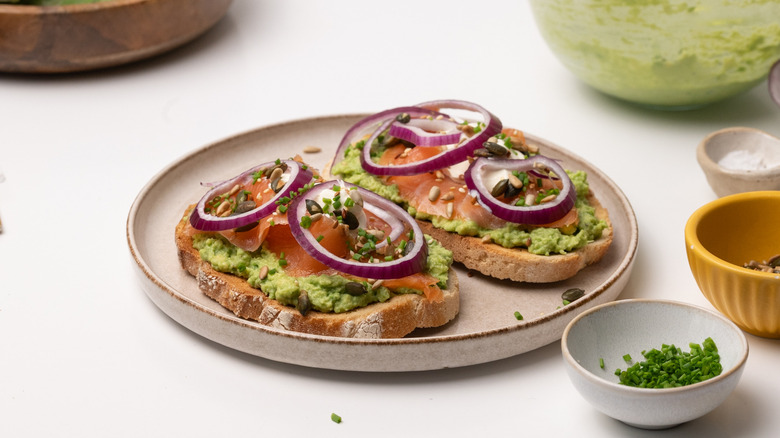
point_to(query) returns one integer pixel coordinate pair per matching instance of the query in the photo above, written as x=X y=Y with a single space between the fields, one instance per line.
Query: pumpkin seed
x=511 y=191
x=482 y=152
x=354 y=288
x=311 y=150
x=500 y=188
x=350 y=219
x=573 y=294
x=495 y=148
x=774 y=261
x=304 y=304
x=407 y=248
x=245 y=207
x=276 y=173
x=313 y=207
x=403 y=118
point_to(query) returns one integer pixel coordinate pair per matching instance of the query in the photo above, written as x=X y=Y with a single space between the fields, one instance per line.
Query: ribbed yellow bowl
x=723 y=235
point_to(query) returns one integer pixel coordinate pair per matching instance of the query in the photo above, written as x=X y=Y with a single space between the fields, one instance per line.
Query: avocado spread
x=541 y=241
x=326 y=292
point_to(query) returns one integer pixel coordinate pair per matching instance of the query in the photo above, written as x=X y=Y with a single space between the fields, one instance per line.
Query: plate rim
x=624 y=267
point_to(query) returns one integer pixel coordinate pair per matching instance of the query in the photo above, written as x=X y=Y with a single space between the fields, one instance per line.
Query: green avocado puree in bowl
x=670 y=54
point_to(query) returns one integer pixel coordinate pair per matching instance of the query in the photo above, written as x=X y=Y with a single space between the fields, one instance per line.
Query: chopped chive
x=670 y=367
x=335 y=418
x=627 y=358
x=320 y=237
x=518 y=316
x=306 y=221
x=601 y=363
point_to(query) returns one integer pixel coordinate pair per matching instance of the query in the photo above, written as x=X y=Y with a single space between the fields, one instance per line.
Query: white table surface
x=84 y=352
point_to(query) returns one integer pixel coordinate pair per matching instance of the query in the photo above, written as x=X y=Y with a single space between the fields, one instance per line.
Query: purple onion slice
x=426 y=132
x=536 y=214
x=296 y=176
x=411 y=262
x=492 y=126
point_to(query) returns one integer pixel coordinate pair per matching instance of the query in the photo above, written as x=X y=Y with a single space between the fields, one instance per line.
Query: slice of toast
x=517 y=264
x=394 y=318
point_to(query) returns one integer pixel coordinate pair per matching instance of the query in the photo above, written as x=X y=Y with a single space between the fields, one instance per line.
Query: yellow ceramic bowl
x=720 y=238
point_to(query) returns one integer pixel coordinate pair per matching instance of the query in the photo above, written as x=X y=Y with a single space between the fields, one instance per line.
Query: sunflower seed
x=434 y=193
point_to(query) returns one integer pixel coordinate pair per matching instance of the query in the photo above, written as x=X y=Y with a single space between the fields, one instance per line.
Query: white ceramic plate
x=485 y=330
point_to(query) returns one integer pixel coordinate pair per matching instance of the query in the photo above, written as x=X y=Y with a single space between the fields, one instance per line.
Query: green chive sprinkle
x=671 y=367
x=601 y=363
x=518 y=316
x=335 y=418
x=627 y=358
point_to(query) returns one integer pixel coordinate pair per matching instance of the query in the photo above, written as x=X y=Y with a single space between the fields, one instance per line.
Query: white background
x=84 y=352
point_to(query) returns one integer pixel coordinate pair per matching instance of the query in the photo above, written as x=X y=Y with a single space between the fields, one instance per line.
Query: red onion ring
x=445 y=159
x=368 y=124
x=413 y=262
x=427 y=132
x=396 y=225
x=200 y=220
x=532 y=214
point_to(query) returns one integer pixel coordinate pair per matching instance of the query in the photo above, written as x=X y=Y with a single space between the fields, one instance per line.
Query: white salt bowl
x=739 y=159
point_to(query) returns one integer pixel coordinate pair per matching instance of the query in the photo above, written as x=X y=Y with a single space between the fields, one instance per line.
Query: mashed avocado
x=672 y=53
x=326 y=292
x=542 y=241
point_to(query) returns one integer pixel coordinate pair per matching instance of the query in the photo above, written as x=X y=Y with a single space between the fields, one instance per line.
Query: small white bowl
x=611 y=330
x=729 y=156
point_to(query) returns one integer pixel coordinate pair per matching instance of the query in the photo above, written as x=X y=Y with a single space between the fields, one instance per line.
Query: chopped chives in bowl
x=671 y=367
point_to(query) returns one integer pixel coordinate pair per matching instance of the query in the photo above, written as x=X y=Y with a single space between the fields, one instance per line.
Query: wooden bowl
x=59 y=39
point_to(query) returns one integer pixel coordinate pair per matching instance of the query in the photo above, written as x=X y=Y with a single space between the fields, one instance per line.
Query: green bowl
x=671 y=54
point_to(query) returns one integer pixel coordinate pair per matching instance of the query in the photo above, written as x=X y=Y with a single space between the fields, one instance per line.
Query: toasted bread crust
x=393 y=318
x=517 y=264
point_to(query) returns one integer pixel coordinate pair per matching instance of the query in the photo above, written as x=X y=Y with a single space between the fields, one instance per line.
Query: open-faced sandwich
x=483 y=191
x=279 y=245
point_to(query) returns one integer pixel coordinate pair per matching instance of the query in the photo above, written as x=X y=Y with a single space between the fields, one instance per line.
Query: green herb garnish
x=670 y=367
